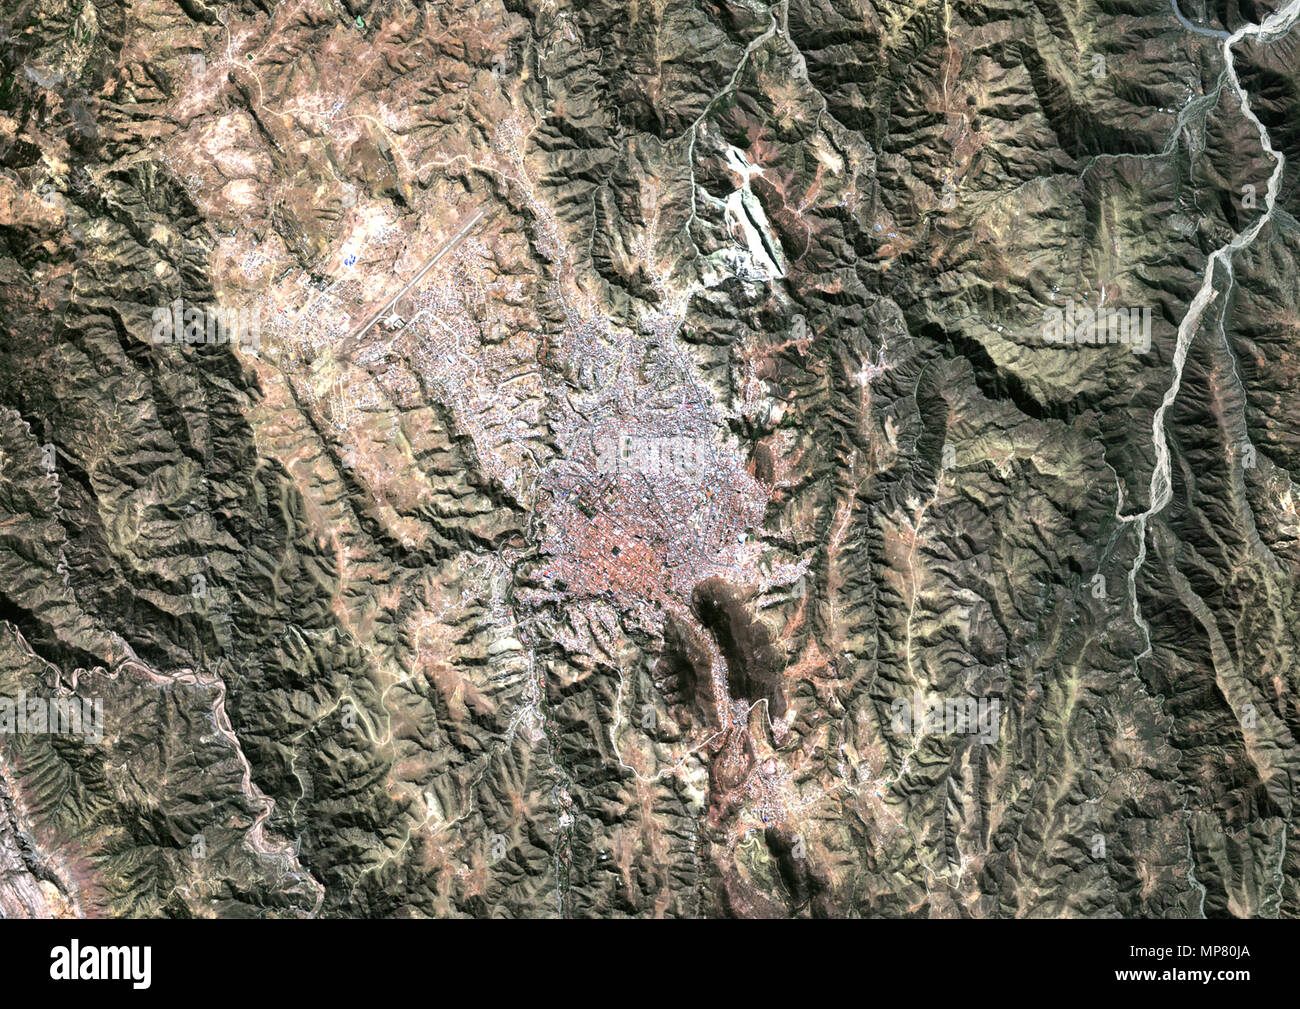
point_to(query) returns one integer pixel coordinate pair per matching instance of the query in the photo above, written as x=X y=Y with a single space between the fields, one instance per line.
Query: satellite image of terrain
x=649 y=458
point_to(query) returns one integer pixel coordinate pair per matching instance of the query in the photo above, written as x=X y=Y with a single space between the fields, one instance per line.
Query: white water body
x=1214 y=33
x=1160 y=491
